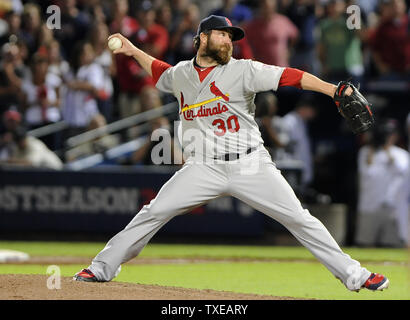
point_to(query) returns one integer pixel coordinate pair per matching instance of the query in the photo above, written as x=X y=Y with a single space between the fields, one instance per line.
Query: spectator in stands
x=58 y=75
x=122 y=22
x=11 y=5
x=31 y=25
x=181 y=43
x=14 y=32
x=98 y=39
x=31 y=152
x=383 y=208
x=45 y=35
x=11 y=120
x=153 y=39
x=42 y=100
x=96 y=9
x=298 y=146
x=150 y=36
x=12 y=71
x=23 y=56
x=303 y=14
x=368 y=7
x=234 y=11
x=132 y=77
x=80 y=101
x=339 y=47
x=265 y=115
x=74 y=26
x=164 y=16
x=57 y=65
x=390 y=41
x=177 y=9
x=271 y=35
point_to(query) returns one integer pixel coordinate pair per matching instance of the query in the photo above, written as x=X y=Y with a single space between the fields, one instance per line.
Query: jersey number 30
x=232 y=123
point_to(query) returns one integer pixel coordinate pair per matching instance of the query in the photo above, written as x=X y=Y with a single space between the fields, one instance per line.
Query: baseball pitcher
x=225 y=154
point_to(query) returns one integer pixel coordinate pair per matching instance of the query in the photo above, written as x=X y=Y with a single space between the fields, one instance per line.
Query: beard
x=221 y=54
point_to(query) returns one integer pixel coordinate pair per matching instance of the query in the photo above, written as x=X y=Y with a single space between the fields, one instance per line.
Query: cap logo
x=228 y=21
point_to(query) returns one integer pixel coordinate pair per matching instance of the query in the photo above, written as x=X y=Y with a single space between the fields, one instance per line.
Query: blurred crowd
x=55 y=66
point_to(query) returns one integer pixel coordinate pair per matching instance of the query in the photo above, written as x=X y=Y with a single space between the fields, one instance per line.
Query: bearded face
x=221 y=53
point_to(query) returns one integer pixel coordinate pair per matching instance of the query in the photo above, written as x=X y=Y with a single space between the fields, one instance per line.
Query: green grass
x=206 y=251
x=301 y=279
x=83 y=249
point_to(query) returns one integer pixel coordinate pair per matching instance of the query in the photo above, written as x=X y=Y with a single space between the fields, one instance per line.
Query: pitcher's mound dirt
x=34 y=287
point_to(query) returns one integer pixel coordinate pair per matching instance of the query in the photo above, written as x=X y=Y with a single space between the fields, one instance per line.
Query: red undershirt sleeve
x=291 y=77
x=157 y=68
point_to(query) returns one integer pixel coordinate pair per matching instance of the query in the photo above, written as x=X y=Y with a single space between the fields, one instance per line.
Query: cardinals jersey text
x=219 y=111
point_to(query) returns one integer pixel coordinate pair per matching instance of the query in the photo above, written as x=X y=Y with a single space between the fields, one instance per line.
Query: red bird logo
x=217 y=92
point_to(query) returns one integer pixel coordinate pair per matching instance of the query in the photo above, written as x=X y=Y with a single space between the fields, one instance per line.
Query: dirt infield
x=34 y=287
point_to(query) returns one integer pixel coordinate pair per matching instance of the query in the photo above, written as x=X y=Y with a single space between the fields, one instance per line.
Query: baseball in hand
x=114 y=43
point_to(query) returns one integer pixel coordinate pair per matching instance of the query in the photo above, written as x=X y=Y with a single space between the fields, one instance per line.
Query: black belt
x=234 y=156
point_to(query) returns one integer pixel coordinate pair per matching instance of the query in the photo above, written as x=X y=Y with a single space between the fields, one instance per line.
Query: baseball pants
x=253 y=179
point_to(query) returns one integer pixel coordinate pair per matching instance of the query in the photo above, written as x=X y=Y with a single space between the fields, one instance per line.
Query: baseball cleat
x=85 y=275
x=376 y=282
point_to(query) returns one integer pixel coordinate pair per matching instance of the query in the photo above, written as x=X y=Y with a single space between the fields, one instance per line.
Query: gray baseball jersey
x=217 y=110
x=221 y=108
